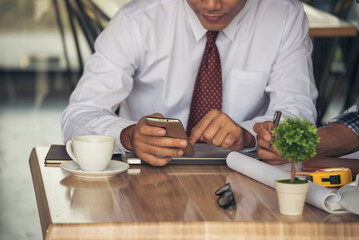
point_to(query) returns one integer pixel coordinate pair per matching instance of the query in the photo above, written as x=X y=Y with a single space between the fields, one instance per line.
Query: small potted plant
x=296 y=141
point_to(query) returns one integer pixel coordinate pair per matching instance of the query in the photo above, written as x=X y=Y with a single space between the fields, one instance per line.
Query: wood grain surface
x=171 y=202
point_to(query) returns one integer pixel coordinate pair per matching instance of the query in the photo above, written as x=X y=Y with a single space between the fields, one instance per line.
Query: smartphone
x=174 y=129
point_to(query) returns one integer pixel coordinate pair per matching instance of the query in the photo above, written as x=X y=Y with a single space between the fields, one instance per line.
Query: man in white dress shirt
x=147 y=60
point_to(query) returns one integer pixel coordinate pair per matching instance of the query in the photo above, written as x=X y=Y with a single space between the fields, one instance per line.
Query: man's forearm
x=337 y=140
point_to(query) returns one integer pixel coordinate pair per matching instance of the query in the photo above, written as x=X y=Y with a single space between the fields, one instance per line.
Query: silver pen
x=276 y=120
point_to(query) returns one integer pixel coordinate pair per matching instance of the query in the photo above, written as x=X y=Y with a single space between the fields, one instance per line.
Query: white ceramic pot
x=291 y=197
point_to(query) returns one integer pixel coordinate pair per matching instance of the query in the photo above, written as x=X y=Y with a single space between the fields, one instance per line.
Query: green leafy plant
x=296 y=140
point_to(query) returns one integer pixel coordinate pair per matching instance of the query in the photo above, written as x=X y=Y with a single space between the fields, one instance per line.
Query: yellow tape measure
x=332 y=177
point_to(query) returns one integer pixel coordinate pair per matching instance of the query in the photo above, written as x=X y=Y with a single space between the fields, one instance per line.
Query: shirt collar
x=199 y=31
x=234 y=26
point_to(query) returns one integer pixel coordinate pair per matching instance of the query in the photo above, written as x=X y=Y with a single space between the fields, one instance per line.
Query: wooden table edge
x=349 y=31
x=45 y=218
x=205 y=230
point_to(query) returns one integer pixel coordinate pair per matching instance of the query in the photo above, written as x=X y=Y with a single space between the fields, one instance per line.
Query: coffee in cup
x=91 y=152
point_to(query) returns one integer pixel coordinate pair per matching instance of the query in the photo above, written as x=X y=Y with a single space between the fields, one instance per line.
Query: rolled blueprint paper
x=318 y=196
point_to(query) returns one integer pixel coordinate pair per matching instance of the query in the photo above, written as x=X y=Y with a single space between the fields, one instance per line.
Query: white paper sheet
x=354 y=155
x=318 y=196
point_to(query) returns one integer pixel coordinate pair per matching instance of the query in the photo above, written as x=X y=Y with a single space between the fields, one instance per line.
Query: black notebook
x=57 y=154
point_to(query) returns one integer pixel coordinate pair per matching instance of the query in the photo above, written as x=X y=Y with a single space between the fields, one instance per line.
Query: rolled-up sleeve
x=349 y=118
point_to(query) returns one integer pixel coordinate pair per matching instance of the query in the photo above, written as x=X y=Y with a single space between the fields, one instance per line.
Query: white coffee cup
x=91 y=152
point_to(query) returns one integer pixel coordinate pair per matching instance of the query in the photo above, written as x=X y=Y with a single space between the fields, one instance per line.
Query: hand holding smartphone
x=174 y=129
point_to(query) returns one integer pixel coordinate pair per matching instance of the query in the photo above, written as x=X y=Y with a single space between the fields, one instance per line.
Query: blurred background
x=40 y=52
x=43 y=45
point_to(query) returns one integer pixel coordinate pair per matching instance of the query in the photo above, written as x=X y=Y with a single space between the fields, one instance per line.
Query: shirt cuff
x=248 y=125
x=115 y=131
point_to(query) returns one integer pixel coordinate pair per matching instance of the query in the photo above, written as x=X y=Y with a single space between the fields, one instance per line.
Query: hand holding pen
x=264 y=139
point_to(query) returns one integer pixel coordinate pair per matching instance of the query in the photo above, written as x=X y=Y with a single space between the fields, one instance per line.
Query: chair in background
x=83 y=15
x=326 y=50
x=350 y=48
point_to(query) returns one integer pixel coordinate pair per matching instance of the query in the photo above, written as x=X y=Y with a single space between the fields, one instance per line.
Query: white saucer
x=114 y=168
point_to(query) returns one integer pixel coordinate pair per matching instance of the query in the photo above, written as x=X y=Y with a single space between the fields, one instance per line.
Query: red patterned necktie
x=207 y=93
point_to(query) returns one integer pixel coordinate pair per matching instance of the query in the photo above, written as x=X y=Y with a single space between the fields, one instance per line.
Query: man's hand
x=264 y=137
x=150 y=143
x=219 y=129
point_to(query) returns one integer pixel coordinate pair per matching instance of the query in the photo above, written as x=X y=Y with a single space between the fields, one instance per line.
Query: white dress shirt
x=147 y=60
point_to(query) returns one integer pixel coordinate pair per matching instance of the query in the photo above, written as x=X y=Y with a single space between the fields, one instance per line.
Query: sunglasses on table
x=226 y=197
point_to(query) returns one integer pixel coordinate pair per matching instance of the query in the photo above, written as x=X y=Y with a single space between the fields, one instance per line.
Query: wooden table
x=172 y=202
x=323 y=24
